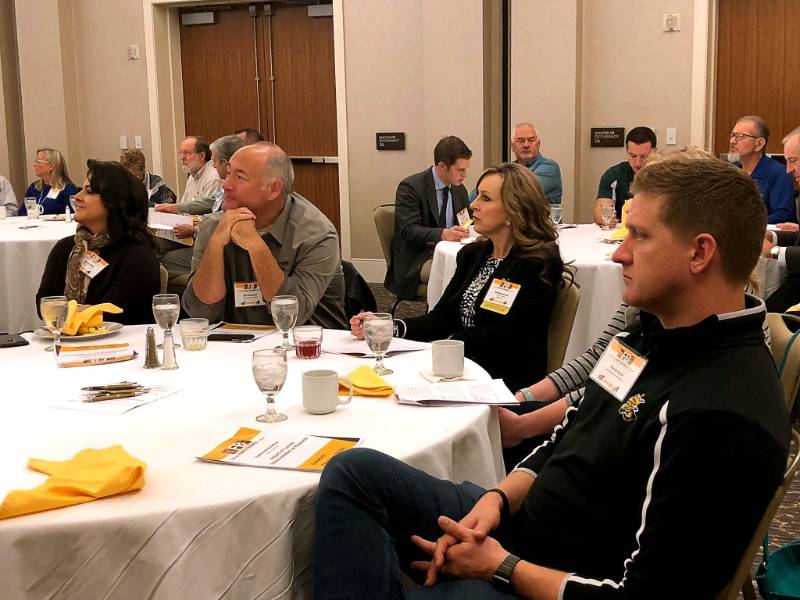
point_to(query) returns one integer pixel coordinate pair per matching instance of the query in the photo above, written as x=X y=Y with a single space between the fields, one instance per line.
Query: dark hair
x=641 y=135
x=760 y=125
x=133 y=159
x=449 y=149
x=707 y=195
x=201 y=146
x=251 y=136
x=125 y=199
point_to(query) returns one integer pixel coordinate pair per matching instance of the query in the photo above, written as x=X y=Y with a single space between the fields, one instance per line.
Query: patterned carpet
x=786 y=524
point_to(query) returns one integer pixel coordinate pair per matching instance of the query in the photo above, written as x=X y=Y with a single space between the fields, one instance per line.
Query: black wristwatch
x=502 y=577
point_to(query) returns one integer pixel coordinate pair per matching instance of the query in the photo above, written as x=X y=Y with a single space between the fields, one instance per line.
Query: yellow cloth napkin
x=89 y=475
x=620 y=233
x=366 y=382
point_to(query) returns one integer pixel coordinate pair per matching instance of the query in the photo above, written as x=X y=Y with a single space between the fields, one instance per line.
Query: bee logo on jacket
x=630 y=409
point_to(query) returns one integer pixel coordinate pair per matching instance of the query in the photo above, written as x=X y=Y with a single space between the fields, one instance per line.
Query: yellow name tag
x=463 y=218
x=501 y=296
x=247 y=293
x=618 y=369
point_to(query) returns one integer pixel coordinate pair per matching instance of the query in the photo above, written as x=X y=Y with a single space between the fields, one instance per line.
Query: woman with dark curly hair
x=111 y=257
x=518 y=247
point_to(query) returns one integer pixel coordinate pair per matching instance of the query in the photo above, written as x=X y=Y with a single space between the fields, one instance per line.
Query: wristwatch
x=774 y=251
x=502 y=577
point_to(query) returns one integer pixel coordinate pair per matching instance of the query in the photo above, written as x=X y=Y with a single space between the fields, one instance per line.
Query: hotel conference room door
x=270 y=67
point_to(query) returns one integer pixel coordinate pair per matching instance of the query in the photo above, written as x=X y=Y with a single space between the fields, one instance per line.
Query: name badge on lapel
x=247 y=293
x=463 y=218
x=618 y=369
x=92 y=264
x=501 y=296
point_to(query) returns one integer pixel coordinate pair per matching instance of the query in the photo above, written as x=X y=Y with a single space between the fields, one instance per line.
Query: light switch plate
x=137 y=142
x=123 y=142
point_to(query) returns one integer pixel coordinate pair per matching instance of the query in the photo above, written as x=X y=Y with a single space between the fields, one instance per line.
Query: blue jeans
x=368 y=507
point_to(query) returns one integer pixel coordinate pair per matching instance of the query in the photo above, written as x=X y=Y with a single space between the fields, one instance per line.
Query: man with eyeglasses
x=748 y=147
x=525 y=146
x=616 y=182
x=203 y=184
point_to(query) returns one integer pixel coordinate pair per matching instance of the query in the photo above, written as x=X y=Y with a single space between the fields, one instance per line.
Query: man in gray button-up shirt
x=270 y=237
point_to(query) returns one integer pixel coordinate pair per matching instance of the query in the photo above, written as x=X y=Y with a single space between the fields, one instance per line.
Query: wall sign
x=390 y=141
x=607 y=137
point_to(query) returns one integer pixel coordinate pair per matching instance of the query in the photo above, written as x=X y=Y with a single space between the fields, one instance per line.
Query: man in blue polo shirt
x=525 y=146
x=748 y=148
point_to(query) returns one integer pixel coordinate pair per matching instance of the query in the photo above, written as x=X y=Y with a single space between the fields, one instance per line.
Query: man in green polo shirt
x=616 y=181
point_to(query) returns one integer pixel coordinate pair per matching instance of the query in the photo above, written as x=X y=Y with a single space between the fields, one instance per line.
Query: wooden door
x=268 y=66
x=758 y=68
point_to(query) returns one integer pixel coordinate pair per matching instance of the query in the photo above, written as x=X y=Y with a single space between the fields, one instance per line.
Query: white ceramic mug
x=321 y=391
x=448 y=358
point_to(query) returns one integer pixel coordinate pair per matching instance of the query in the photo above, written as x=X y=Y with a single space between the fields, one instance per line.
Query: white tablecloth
x=600 y=280
x=599 y=277
x=199 y=530
x=23 y=254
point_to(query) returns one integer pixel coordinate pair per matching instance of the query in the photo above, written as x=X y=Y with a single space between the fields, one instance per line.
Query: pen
x=115 y=396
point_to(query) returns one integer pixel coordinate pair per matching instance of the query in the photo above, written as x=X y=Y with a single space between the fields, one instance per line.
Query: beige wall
x=633 y=74
x=545 y=91
x=12 y=159
x=79 y=92
x=413 y=66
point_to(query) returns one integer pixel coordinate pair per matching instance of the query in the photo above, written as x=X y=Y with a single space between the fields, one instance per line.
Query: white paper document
x=259 y=331
x=350 y=346
x=163 y=224
x=113 y=407
x=458 y=393
x=254 y=448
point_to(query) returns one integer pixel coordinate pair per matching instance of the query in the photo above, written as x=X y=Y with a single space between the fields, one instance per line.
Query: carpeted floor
x=786 y=524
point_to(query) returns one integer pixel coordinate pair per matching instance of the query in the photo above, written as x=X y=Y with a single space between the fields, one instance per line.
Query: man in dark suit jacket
x=784 y=246
x=426 y=209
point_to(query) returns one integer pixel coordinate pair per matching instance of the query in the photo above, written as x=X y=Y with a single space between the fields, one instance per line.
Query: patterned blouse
x=468 y=299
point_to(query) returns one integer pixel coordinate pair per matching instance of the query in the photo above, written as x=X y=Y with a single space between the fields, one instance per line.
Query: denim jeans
x=368 y=507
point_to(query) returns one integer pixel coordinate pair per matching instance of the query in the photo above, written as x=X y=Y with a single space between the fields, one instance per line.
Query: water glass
x=284 y=315
x=269 y=372
x=379 y=331
x=307 y=341
x=607 y=214
x=194 y=333
x=166 y=310
x=555 y=214
x=54 y=311
x=32 y=207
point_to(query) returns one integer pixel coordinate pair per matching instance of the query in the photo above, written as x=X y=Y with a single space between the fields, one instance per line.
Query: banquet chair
x=742 y=579
x=787 y=359
x=561 y=320
x=164 y=278
x=383 y=216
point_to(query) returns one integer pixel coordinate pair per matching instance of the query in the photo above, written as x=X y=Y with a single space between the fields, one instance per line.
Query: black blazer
x=130 y=280
x=512 y=347
x=788 y=294
x=416 y=230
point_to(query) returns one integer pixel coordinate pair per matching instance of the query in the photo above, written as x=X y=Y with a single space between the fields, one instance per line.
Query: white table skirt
x=23 y=254
x=199 y=530
x=599 y=277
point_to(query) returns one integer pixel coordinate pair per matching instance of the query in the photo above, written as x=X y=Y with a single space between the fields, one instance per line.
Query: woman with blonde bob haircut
x=53 y=186
x=516 y=251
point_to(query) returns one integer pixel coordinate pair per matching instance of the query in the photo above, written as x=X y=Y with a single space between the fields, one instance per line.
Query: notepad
x=458 y=393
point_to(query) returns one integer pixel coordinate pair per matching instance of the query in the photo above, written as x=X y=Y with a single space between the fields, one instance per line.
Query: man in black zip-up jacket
x=651 y=493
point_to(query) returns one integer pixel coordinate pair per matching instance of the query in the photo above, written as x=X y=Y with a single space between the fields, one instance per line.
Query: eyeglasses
x=41 y=161
x=740 y=136
x=186 y=152
x=530 y=140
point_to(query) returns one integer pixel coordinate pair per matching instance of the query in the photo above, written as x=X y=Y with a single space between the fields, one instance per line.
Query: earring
x=508 y=223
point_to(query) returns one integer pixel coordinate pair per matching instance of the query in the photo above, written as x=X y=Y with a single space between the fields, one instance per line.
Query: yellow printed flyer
x=253 y=448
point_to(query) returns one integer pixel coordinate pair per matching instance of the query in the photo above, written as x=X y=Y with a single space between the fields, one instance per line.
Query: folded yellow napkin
x=366 y=382
x=620 y=233
x=89 y=475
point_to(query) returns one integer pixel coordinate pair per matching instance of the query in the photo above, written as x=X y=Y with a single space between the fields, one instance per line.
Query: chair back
x=561 y=319
x=384 y=222
x=164 y=278
x=787 y=358
x=742 y=578
x=357 y=294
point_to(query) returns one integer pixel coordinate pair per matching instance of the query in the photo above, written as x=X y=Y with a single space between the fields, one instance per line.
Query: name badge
x=92 y=264
x=247 y=293
x=501 y=296
x=618 y=369
x=53 y=193
x=463 y=218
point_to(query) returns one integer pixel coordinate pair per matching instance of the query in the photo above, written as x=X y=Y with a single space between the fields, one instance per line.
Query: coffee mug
x=448 y=358
x=321 y=391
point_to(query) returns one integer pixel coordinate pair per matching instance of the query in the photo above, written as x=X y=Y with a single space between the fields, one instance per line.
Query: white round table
x=599 y=277
x=24 y=247
x=199 y=530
